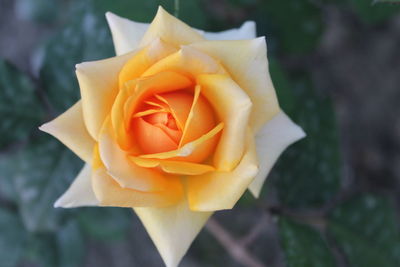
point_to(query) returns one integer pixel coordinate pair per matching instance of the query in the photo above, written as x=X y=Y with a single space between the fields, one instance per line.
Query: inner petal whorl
x=159 y=123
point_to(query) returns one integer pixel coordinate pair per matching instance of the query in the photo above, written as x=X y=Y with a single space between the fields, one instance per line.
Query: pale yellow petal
x=187 y=60
x=246 y=31
x=174 y=167
x=126 y=173
x=271 y=141
x=126 y=33
x=109 y=193
x=80 y=192
x=70 y=129
x=98 y=81
x=221 y=190
x=246 y=61
x=233 y=107
x=172 y=229
x=171 y=30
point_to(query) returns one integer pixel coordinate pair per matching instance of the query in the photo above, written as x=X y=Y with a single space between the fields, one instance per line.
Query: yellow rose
x=178 y=125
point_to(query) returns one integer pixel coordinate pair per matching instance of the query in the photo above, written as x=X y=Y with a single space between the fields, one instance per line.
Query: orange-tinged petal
x=233 y=107
x=143 y=59
x=110 y=193
x=175 y=135
x=151 y=139
x=200 y=119
x=179 y=103
x=173 y=167
x=149 y=112
x=163 y=82
x=221 y=190
x=122 y=170
x=195 y=151
x=98 y=82
x=170 y=29
x=188 y=61
x=136 y=92
x=246 y=61
x=70 y=129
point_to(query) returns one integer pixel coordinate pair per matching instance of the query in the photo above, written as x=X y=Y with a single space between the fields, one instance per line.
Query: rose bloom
x=176 y=126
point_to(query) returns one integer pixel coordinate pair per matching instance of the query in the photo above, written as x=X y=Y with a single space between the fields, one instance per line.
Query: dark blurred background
x=333 y=198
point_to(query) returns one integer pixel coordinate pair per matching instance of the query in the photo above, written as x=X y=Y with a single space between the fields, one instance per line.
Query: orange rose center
x=167 y=121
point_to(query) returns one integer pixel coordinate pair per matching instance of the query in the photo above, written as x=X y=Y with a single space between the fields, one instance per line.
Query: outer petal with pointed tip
x=80 y=192
x=170 y=30
x=246 y=31
x=246 y=61
x=70 y=129
x=98 y=81
x=126 y=33
x=172 y=229
x=271 y=141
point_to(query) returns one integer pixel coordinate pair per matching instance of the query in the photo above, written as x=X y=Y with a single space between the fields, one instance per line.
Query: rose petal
x=126 y=34
x=187 y=60
x=172 y=229
x=189 y=149
x=124 y=172
x=179 y=104
x=150 y=138
x=109 y=193
x=134 y=93
x=70 y=129
x=80 y=192
x=200 y=119
x=246 y=31
x=246 y=61
x=170 y=29
x=173 y=167
x=233 y=108
x=205 y=191
x=98 y=81
x=271 y=141
x=143 y=59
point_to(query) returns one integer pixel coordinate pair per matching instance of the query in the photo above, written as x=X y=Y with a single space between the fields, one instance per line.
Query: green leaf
x=20 y=110
x=85 y=38
x=71 y=246
x=105 y=223
x=307 y=174
x=39 y=10
x=12 y=239
x=296 y=24
x=373 y=14
x=144 y=11
x=40 y=172
x=385 y=1
x=303 y=246
x=366 y=230
x=42 y=250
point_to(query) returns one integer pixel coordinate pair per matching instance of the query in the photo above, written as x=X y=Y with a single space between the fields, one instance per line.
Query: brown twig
x=235 y=249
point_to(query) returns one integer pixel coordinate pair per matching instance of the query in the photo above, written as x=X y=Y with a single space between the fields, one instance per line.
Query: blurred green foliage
x=303 y=245
x=39 y=168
